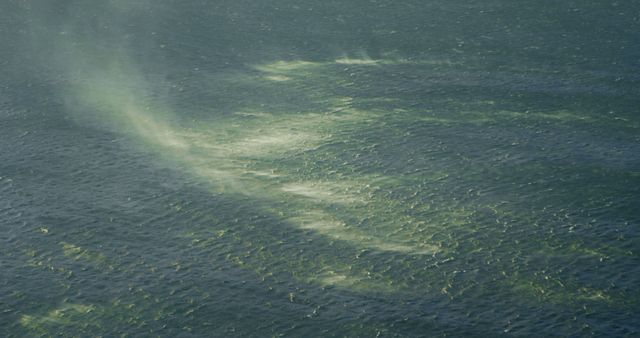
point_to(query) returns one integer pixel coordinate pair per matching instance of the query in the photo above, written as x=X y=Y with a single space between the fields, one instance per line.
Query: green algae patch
x=79 y=253
x=68 y=318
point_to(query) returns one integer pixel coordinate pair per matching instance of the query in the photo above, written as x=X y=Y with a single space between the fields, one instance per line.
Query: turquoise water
x=335 y=169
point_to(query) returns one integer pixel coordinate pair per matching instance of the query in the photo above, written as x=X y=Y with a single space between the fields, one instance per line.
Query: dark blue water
x=334 y=169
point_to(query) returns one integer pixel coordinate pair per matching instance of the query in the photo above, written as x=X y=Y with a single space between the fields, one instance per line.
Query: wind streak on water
x=222 y=161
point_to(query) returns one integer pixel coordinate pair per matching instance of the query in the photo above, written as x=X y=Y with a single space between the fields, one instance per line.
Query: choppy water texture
x=319 y=168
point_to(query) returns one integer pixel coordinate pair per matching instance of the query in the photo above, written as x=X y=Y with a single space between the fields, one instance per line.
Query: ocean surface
x=362 y=168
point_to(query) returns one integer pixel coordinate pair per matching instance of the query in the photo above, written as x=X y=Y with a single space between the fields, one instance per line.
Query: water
x=280 y=168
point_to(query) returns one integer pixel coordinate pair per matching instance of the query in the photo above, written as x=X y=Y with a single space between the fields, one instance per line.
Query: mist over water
x=305 y=168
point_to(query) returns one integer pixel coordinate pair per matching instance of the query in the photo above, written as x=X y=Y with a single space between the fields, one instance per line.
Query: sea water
x=319 y=168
